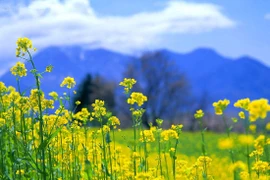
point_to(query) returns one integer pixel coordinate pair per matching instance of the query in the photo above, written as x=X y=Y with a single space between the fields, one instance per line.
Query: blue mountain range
x=209 y=73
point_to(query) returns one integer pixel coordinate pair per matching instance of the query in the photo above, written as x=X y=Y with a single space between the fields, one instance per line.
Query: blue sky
x=250 y=36
x=232 y=27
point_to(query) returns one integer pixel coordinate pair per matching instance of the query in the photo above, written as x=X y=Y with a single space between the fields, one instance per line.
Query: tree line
x=167 y=88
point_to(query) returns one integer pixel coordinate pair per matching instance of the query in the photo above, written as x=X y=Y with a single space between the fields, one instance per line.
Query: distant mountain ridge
x=208 y=72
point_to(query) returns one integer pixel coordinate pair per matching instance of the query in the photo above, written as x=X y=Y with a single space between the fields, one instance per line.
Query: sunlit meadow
x=37 y=144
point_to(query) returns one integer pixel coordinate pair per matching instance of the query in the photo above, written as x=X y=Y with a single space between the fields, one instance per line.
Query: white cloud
x=55 y=22
x=267 y=16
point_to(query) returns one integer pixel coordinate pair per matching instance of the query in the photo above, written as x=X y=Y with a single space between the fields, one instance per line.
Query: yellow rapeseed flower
x=128 y=84
x=246 y=139
x=23 y=45
x=252 y=128
x=259 y=144
x=21 y=171
x=199 y=114
x=137 y=97
x=220 y=106
x=19 y=69
x=241 y=114
x=113 y=120
x=204 y=160
x=49 y=68
x=258 y=109
x=244 y=175
x=2 y=122
x=226 y=143
x=147 y=136
x=169 y=134
x=106 y=128
x=78 y=103
x=3 y=87
x=238 y=165
x=242 y=103
x=99 y=109
x=267 y=127
x=69 y=82
x=54 y=95
x=261 y=166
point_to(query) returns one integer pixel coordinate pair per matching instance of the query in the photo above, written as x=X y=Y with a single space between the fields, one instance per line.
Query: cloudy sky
x=232 y=27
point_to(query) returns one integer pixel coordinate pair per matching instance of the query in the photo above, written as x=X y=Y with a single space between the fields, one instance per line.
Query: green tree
x=162 y=82
x=91 y=89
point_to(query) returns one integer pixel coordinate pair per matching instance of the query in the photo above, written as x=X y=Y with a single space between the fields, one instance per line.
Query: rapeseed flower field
x=36 y=144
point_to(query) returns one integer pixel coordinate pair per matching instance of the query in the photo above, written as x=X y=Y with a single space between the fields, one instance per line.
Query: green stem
x=159 y=154
x=166 y=165
x=203 y=149
x=103 y=147
x=228 y=131
x=135 y=146
x=40 y=116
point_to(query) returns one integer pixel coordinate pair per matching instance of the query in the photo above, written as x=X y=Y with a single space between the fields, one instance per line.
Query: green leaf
x=48 y=140
x=105 y=169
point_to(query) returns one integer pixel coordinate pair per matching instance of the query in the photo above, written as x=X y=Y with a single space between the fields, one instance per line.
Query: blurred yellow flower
x=225 y=143
x=220 y=106
x=19 y=69
x=242 y=103
x=128 y=84
x=23 y=45
x=199 y=114
x=252 y=128
x=241 y=114
x=2 y=122
x=258 y=109
x=267 y=127
x=69 y=82
x=246 y=139
x=137 y=97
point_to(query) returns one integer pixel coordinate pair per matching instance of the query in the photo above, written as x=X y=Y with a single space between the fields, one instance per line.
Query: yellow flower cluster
x=21 y=171
x=242 y=103
x=49 y=68
x=252 y=128
x=244 y=175
x=99 y=109
x=259 y=144
x=106 y=129
x=147 y=136
x=137 y=113
x=267 y=127
x=23 y=45
x=128 y=84
x=69 y=82
x=2 y=122
x=82 y=115
x=114 y=121
x=220 y=106
x=166 y=135
x=225 y=143
x=204 y=160
x=258 y=109
x=177 y=128
x=246 y=139
x=261 y=166
x=137 y=97
x=19 y=69
x=54 y=95
x=199 y=114
x=238 y=165
x=241 y=114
